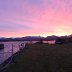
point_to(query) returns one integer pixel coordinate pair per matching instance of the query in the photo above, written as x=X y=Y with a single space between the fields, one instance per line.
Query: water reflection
x=7 y=51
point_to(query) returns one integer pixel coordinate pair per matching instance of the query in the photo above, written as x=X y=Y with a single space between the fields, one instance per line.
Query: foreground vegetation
x=43 y=58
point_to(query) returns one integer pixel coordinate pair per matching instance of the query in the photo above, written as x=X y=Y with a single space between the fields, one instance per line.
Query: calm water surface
x=7 y=51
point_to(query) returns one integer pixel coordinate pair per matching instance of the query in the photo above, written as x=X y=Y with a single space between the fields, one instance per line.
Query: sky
x=20 y=18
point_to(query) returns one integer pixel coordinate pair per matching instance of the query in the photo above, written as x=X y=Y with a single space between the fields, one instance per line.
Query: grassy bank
x=43 y=58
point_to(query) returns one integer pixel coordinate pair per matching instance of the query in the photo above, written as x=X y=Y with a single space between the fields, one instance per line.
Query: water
x=16 y=45
x=7 y=51
x=49 y=42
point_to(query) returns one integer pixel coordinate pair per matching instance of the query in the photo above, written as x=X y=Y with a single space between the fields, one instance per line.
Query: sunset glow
x=20 y=18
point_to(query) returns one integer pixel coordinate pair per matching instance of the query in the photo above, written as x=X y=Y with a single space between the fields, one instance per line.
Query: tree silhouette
x=60 y=41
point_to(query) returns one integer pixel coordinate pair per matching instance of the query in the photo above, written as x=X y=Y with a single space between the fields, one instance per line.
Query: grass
x=43 y=58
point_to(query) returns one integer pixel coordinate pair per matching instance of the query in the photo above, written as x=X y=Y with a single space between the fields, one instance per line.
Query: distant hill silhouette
x=30 y=38
x=38 y=38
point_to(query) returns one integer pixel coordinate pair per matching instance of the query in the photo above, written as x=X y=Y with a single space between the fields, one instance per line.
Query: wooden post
x=12 y=49
x=19 y=46
x=12 y=54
